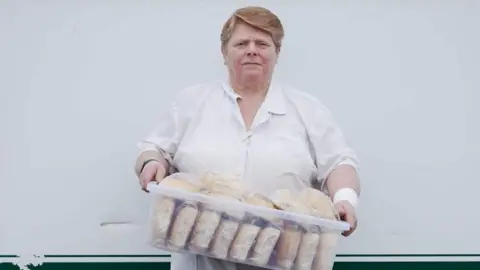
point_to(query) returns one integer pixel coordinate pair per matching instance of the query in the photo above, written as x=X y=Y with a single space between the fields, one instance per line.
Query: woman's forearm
x=149 y=155
x=344 y=176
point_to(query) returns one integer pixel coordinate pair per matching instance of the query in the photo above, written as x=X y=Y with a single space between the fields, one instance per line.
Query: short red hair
x=257 y=17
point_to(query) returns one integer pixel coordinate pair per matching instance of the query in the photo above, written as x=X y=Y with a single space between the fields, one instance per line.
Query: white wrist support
x=347 y=194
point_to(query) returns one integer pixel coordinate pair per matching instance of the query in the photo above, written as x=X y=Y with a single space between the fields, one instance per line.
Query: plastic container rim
x=324 y=223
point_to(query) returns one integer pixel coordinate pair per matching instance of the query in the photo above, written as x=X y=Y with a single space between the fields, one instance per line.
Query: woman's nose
x=251 y=50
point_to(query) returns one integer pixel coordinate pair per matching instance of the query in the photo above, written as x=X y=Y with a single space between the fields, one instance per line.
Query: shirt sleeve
x=164 y=137
x=171 y=125
x=329 y=145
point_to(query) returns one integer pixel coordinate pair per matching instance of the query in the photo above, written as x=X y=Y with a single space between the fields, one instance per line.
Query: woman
x=252 y=127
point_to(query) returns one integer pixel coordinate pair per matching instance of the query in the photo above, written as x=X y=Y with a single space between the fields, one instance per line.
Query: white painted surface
x=81 y=82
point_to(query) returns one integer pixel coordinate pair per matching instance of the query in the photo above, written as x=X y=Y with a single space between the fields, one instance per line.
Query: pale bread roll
x=223 y=184
x=258 y=200
x=249 y=230
x=326 y=250
x=285 y=200
x=262 y=201
x=164 y=208
x=265 y=243
x=223 y=238
x=182 y=226
x=227 y=204
x=204 y=230
x=223 y=187
x=287 y=247
x=307 y=250
x=181 y=184
x=243 y=242
x=162 y=212
x=290 y=238
x=208 y=222
x=183 y=217
x=231 y=215
x=319 y=203
x=268 y=229
x=320 y=206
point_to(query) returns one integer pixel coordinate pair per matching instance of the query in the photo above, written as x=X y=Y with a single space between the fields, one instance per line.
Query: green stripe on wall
x=338 y=266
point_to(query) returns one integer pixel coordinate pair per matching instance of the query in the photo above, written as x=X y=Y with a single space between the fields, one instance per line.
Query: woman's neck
x=250 y=89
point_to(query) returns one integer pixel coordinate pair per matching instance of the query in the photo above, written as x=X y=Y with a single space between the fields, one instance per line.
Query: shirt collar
x=274 y=101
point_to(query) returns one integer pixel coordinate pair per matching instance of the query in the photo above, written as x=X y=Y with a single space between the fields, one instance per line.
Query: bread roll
x=181 y=184
x=249 y=229
x=182 y=225
x=164 y=208
x=227 y=204
x=223 y=238
x=258 y=200
x=307 y=250
x=222 y=184
x=206 y=225
x=230 y=218
x=285 y=200
x=319 y=203
x=261 y=201
x=266 y=241
x=259 y=234
x=290 y=238
x=243 y=242
x=325 y=256
x=287 y=247
x=312 y=247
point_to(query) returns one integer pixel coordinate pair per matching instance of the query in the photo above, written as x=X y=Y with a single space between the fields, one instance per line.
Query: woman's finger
x=159 y=173
x=350 y=219
x=341 y=211
x=146 y=177
x=143 y=183
x=346 y=215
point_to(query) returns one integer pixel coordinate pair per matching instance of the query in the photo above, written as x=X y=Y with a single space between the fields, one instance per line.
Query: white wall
x=81 y=82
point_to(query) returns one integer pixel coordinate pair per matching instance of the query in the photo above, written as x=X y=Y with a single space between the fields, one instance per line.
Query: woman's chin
x=253 y=77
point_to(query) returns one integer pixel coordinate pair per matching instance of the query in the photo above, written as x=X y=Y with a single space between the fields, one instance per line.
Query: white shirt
x=293 y=142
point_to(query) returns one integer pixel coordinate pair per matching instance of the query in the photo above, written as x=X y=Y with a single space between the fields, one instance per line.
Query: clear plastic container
x=189 y=218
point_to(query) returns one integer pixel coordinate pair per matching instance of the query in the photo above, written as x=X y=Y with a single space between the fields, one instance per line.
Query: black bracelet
x=145 y=163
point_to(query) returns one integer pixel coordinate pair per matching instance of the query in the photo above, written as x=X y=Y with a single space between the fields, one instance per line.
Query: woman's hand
x=347 y=214
x=154 y=170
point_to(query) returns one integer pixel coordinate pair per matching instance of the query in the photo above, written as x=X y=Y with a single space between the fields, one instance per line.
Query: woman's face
x=250 y=55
